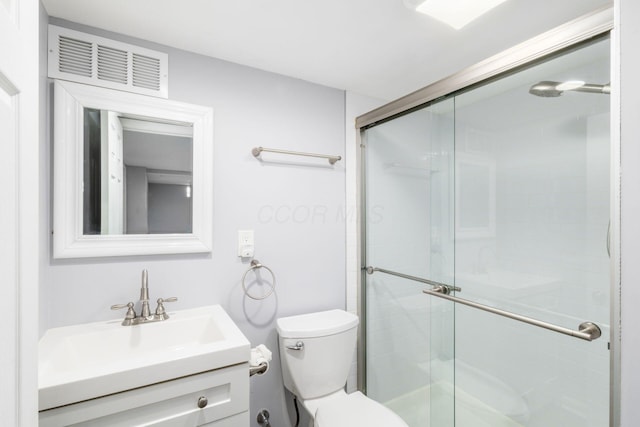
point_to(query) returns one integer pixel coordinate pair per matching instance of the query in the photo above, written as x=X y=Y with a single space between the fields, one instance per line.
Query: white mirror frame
x=70 y=99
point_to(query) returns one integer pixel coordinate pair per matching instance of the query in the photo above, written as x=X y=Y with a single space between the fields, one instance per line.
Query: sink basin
x=81 y=362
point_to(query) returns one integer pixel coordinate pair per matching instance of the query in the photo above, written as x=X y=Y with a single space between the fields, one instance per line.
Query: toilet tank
x=322 y=365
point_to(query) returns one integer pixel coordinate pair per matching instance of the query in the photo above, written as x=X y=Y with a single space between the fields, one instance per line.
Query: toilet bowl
x=316 y=351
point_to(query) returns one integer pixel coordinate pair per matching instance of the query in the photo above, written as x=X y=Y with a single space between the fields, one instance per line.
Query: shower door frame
x=592 y=25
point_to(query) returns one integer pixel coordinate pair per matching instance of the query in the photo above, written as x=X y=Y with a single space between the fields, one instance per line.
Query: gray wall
x=296 y=210
x=136 y=190
x=169 y=209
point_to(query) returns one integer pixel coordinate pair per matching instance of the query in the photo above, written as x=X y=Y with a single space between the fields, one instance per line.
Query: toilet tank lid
x=316 y=324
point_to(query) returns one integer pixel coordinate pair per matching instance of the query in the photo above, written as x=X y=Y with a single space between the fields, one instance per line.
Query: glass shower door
x=502 y=192
x=409 y=183
x=531 y=236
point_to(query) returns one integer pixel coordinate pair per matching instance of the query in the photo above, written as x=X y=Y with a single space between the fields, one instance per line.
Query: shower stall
x=486 y=250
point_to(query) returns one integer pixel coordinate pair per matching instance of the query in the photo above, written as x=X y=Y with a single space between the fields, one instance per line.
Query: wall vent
x=85 y=58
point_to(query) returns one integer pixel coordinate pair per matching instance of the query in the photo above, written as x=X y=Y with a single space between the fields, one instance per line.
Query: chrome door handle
x=587 y=331
x=298 y=346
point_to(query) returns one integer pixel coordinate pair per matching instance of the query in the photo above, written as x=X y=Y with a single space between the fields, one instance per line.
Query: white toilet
x=316 y=352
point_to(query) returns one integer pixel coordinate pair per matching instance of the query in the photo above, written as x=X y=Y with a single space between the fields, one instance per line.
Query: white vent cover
x=85 y=58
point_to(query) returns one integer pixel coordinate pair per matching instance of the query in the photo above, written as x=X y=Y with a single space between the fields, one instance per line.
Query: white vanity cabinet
x=179 y=402
x=189 y=370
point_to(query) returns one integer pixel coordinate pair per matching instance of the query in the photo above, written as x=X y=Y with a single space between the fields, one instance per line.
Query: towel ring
x=256 y=264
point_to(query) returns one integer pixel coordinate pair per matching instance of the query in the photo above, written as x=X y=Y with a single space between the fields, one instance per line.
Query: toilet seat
x=356 y=409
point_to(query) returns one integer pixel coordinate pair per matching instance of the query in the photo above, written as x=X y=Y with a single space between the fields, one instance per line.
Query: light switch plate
x=245 y=243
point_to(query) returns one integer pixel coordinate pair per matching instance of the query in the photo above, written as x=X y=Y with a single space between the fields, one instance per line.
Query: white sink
x=81 y=362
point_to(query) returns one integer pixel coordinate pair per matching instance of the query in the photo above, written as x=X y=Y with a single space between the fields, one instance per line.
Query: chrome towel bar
x=257 y=150
x=371 y=270
x=587 y=331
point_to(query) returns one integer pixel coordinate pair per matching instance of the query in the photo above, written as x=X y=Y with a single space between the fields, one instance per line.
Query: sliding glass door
x=501 y=194
x=409 y=176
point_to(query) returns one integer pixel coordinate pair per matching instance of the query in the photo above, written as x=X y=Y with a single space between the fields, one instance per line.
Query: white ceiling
x=372 y=47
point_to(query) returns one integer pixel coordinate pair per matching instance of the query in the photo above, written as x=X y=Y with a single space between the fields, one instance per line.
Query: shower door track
x=581 y=29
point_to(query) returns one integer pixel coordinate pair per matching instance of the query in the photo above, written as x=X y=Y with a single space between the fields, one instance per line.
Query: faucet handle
x=160 y=312
x=131 y=314
x=121 y=306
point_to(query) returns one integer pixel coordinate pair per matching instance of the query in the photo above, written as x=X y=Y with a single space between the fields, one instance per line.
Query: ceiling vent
x=85 y=58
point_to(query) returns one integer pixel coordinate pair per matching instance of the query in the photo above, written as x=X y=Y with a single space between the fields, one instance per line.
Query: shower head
x=548 y=89
x=545 y=89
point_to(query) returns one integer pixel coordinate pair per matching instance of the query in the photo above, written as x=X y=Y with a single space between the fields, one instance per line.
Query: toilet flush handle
x=298 y=346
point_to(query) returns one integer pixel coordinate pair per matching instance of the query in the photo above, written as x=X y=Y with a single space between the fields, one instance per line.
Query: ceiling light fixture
x=456 y=13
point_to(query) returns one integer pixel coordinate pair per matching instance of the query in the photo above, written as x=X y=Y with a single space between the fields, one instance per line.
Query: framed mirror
x=132 y=174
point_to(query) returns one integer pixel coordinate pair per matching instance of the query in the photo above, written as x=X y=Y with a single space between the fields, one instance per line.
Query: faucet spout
x=144 y=294
x=145 y=315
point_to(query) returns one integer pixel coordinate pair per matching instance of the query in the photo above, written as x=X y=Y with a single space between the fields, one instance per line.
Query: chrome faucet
x=145 y=315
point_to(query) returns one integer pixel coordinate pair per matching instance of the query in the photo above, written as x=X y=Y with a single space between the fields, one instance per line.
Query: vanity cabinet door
x=179 y=402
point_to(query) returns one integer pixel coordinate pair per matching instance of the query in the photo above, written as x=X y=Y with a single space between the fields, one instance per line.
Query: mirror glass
x=137 y=174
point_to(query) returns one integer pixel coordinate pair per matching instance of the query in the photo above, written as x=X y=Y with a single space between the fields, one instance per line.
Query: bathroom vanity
x=192 y=369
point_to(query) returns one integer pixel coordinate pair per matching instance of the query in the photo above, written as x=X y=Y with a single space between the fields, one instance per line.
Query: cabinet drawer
x=238 y=420
x=171 y=403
